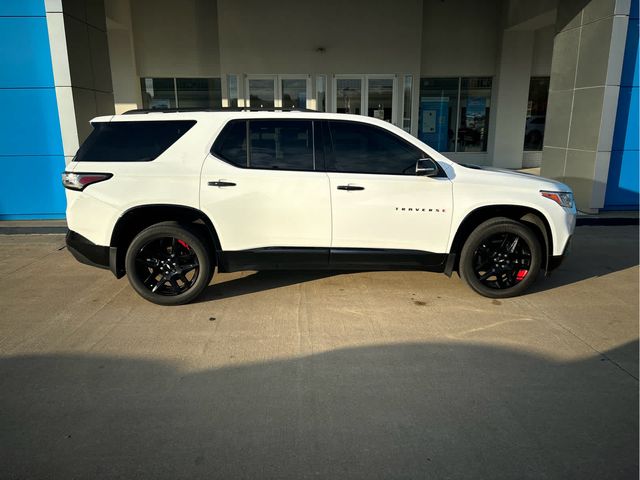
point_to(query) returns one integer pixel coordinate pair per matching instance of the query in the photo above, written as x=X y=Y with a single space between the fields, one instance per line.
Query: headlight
x=564 y=199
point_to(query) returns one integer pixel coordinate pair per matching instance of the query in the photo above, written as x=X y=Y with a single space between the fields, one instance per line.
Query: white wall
x=176 y=38
x=282 y=37
x=460 y=38
x=543 y=51
x=124 y=74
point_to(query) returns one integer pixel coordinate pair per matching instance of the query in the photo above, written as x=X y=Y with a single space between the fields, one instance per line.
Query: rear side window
x=273 y=144
x=131 y=141
x=283 y=145
x=231 y=144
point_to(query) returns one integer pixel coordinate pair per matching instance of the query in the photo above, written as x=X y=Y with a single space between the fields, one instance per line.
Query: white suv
x=166 y=197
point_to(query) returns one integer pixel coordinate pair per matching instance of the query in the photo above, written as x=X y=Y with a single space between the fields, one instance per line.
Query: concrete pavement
x=320 y=374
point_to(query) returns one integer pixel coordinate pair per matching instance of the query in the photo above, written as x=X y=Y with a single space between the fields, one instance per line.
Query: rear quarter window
x=131 y=141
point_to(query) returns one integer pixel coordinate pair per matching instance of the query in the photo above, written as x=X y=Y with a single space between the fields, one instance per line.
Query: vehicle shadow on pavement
x=261 y=281
x=439 y=410
x=583 y=262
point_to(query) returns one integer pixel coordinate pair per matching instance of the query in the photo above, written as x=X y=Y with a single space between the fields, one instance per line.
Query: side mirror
x=426 y=167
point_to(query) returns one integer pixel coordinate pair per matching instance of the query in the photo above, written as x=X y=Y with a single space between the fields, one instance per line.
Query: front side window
x=131 y=141
x=361 y=148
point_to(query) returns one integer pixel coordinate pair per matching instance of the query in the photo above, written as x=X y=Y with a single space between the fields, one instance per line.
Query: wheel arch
x=535 y=219
x=137 y=218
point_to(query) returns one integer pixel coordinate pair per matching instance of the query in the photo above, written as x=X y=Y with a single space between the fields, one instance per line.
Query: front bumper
x=556 y=260
x=87 y=252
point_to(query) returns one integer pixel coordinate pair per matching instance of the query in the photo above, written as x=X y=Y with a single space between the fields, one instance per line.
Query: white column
x=511 y=96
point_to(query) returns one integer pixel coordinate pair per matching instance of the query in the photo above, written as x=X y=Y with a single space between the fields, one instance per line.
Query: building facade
x=508 y=83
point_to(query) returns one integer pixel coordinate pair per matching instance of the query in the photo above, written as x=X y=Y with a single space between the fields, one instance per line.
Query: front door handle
x=350 y=187
x=221 y=183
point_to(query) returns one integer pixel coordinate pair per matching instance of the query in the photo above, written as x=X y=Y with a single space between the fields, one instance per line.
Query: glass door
x=371 y=95
x=294 y=91
x=380 y=98
x=261 y=91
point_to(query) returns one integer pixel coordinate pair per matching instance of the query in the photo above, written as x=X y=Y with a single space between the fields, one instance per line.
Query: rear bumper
x=86 y=251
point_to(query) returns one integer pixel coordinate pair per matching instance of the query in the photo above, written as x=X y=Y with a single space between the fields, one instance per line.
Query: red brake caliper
x=521 y=274
x=184 y=244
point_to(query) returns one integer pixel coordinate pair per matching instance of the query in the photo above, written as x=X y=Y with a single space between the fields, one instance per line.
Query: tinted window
x=360 y=148
x=131 y=141
x=231 y=144
x=285 y=145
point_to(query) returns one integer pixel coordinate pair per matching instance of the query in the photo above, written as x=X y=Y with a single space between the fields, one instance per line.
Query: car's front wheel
x=501 y=258
x=168 y=264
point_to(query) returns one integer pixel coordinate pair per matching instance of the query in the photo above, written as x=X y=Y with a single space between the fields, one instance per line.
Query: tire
x=496 y=267
x=169 y=264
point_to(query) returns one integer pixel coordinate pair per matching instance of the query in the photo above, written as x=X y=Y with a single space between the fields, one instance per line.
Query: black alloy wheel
x=167 y=266
x=501 y=258
x=169 y=263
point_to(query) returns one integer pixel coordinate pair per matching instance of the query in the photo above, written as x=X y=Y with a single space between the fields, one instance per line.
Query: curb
x=33 y=230
x=605 y=222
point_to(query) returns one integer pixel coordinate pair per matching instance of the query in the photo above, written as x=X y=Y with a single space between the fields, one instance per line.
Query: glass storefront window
x=158 y=92
x=181 y=92
x=438 y=114
x=321 y=93
x=454 y=113
x=380 y=95
x=406 y=103
x=536 y=113
x=294 y=93
x=199 y=92
x=232 y=90
x=349 y=95
x=475 y=101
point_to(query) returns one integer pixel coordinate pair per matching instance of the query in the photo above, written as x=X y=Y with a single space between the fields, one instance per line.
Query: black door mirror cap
x=426 y=167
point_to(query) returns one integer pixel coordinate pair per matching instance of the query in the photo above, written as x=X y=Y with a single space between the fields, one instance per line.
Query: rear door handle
x=221 y=183
x=350 y=187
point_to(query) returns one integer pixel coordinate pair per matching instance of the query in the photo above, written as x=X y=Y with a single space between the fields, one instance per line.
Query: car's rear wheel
x=501 y=258
x=168 y=264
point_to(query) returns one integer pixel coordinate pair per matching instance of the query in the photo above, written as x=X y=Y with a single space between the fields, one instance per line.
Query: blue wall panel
x=24 y=50
x=22 y=8
x=31 y=187
x=31 y=155
x=623 y=182
x=29 y=123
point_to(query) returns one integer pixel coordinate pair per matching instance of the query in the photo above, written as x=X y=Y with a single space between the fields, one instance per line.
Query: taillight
x=79 y=181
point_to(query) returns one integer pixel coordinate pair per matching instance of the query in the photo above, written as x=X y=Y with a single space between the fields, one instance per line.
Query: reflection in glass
x=321 y=93
x=261 y=93
x=158 y=92
x=437 y=120
x=406 y=110
x=232 y=87
x=475 y=102
x=294 y=93
x=348 y=95
x=199 y=92
x=536 y=113
x=380 y=104
x=284 y=145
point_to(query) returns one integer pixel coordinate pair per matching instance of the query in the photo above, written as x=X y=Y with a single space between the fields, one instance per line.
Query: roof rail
x=228 y=109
